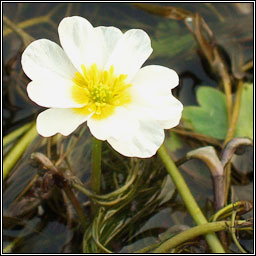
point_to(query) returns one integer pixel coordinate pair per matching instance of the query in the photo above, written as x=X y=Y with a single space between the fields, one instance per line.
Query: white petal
x=131 y=51
x=154 y=79
x=56 y=120
x=143 y=142
x=168 y=115
x=111 y=36
x=151 y=93
x=166 y=110
x=52 y=94
x=117 y=125
x=44 y=59
x=81 y=42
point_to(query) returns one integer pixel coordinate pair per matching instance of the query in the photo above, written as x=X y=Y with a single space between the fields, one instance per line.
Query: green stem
x=227 y=210
x=96 y=172
x=96 y=166
x=188 y=199
x=191 y=233
x=17 y=151
x=147 y=249
x=233 y=232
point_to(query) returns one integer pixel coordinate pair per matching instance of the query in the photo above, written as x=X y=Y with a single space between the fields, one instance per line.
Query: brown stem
x=235 y=114
x=219 y=187
x=229 y=99
x=231 y=132
x=198 y=136
x=247 y=66
x=227 y=174
x=76 y=205
x=46 y=162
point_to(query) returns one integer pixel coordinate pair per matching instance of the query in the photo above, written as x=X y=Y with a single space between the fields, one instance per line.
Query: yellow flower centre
x=100 y=92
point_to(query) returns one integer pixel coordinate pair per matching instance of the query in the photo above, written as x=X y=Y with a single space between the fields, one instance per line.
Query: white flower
x=97 y=77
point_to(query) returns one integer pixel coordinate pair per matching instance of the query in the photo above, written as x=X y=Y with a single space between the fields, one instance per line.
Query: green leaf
x=245 y=120
x=210 y=118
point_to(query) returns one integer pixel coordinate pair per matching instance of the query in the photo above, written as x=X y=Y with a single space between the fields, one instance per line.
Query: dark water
x=45 y=230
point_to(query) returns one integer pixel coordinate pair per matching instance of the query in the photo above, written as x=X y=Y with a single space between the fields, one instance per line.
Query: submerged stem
x=26 y=24
x=15 y=134
x=188 y=199
x=26 y=38
x=13 y=156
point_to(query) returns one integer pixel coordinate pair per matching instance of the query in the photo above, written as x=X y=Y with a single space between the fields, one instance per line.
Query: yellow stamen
x=99 y=91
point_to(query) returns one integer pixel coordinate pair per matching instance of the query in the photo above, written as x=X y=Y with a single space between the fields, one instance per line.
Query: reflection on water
x=50 y=226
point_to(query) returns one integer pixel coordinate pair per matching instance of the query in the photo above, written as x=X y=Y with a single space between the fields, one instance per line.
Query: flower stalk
x=96 y=165
x=189 y=200
x=96 y=171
